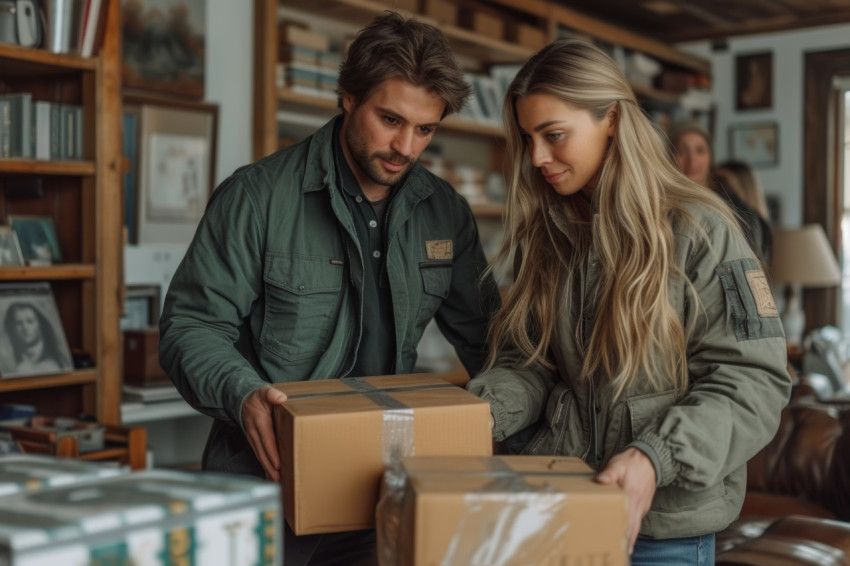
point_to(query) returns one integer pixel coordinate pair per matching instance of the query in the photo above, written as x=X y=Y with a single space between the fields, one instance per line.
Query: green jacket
x=699 y=442
x=270 y=288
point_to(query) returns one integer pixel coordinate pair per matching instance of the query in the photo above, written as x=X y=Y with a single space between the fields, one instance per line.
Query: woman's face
x=564 y=142
x=26 y=326
x=694 y=157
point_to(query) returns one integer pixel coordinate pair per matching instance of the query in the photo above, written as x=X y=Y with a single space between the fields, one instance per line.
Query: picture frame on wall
x=163 y=46
x=756 y=144
x=175 y=168
x=754 y=81
x=32 y=339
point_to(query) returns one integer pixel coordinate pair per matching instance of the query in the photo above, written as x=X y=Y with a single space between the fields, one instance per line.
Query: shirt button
x=373 y=224
x=301 y=287
x=376 y=254
x=358 y=198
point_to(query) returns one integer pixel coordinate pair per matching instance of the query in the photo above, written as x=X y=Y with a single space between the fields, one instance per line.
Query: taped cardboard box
x=34 y=472
x=510 y=510
x=155 y=518
x=335 y=437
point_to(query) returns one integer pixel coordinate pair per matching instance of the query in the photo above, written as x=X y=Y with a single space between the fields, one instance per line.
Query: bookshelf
x=83 y=199
x=279 y=108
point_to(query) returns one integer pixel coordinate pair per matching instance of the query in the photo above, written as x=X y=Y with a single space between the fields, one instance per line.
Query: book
x=41 y=129
x=92 y=23
x=18 y=121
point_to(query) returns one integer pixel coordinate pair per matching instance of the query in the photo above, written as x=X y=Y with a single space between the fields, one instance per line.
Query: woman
x=740 y=178
x=692 y=145
x=640 y=331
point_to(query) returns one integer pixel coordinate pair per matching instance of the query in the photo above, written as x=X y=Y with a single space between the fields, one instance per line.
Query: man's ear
x=347 y=102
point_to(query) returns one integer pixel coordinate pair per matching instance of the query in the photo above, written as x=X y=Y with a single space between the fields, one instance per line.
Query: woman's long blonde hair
x=625 y=221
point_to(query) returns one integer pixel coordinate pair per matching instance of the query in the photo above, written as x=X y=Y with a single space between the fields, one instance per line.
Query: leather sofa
x=797 y=508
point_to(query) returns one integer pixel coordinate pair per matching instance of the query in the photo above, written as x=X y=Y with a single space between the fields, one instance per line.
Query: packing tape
x=506 y=521
x=397 y=427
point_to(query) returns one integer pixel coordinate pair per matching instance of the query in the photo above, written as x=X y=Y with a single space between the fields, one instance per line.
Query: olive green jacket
x=698 y=442
x=270 y=288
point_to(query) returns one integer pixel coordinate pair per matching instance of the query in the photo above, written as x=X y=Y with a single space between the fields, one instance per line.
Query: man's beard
x=370 y=167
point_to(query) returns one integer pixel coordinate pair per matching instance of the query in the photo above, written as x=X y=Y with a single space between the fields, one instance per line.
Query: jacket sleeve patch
x=760 y=289
x=750 y=308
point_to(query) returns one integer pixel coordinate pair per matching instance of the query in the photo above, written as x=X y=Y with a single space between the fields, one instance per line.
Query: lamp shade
x=803 y=256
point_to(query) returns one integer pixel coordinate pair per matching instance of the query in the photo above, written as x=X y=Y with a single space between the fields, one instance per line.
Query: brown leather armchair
x=797 y=508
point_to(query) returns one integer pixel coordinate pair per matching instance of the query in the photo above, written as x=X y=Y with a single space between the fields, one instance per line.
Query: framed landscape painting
x=164 y=45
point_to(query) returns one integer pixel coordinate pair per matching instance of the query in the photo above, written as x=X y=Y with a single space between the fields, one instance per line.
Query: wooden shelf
x=655 y=95
x=451 y=123
x=27 y=61
x=80 y=377
x=465 y=42
x=492 y=211
x=48 y=272
x=82 y=198
x=41 y=167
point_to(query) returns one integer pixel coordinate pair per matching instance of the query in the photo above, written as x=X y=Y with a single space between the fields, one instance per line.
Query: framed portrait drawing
x=754 y=81
x=175 y=165
x=32 y=340
x=10 y=248
x=37 y=237
x=163 y=45
x=756 y=144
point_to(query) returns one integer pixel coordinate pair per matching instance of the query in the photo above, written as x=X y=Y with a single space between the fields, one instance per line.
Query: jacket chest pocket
x=436 y=282
x=302 y=295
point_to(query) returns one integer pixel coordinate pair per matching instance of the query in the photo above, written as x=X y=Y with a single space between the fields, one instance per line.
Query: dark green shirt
x=377 y=343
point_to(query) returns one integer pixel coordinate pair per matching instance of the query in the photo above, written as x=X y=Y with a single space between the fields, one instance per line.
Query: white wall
x=230 y=79
x=789 y=50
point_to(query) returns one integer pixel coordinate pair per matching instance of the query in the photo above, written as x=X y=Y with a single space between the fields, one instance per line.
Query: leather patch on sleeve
x=762 y=293
x=439 y=249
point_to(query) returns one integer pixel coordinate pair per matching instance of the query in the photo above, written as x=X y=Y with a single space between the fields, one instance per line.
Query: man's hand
x=259 y=428
x=633 y=471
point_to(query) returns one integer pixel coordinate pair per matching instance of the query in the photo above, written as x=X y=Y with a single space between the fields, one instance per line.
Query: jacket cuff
x=662 y=460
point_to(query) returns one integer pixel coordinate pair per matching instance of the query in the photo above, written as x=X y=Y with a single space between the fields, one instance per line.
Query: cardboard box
x=443 y=11
x=335 y=437
x=526 y=35
x=155 y=518
x=408 y=5
x=141 y=358
x=34 y=472
x=512 y=510
x=482 y=22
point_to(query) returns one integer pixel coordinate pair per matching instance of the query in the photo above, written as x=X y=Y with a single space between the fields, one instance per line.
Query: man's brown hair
x=396 y=47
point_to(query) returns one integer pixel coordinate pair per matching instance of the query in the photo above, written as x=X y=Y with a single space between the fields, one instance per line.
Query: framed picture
x=32 y=341
x=163 y=43
x=756 y=144
x=37 y=237
x=754 y=81
x=10 y=248
x=175 y=164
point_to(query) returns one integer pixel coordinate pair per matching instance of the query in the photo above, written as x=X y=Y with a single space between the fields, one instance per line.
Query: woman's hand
x=633 y=471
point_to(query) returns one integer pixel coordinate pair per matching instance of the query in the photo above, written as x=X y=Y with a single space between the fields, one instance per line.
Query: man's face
x=26 y=326
x=383 y=136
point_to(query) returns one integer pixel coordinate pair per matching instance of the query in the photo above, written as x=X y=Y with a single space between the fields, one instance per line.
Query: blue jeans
x=690 y=551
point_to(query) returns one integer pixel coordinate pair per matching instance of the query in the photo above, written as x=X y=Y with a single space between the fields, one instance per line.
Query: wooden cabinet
x=83 y=198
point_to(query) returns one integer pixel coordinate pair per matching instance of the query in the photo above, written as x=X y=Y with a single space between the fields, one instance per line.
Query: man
x=327 y=259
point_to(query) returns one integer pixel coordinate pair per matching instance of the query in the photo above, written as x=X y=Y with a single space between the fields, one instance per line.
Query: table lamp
x=802 y=257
